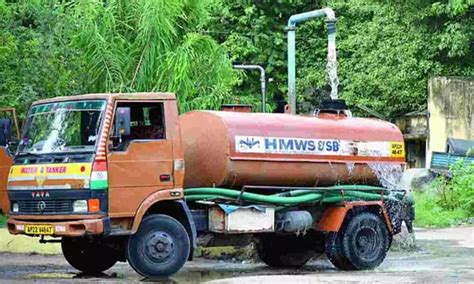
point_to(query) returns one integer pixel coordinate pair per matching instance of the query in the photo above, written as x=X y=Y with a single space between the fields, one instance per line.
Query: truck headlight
x=80 y=206
x=15 y=207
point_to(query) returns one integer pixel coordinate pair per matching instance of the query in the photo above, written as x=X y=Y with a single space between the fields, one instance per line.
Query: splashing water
x=350 y=168
x=389 y=175
x=331 y=67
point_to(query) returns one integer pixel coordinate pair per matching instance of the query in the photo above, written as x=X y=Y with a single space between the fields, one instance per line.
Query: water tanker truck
x=123 y=177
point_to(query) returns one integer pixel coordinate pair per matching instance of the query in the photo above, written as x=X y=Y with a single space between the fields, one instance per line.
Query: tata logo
x=41 y=206
x=250 y=142
x=40 y=194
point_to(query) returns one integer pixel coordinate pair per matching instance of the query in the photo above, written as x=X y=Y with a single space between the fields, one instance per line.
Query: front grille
x=44 y=206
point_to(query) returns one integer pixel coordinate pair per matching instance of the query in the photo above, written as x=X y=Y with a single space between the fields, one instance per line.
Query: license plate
x=39 y=229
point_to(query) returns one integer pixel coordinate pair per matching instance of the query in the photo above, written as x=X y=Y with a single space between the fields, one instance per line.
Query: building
x=449 y=114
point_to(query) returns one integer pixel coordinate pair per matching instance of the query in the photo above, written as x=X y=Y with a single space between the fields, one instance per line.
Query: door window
x=146 y=121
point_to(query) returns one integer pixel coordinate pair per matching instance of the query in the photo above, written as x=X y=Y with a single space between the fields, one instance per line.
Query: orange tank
x=232 y=149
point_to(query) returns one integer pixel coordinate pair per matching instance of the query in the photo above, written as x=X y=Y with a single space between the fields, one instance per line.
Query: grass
x=24 y=244
x=430 y=214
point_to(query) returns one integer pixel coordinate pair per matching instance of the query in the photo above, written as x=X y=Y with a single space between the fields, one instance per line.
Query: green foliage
x=35 y=60
x=387 y=50
x=52 y=48
x=430 y=214
x=457 y=192
x=153 y=45
x=447 y=202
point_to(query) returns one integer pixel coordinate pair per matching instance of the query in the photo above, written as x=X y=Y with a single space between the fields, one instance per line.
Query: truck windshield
x=62 y=127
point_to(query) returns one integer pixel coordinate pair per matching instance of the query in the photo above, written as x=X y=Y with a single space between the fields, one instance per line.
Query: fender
x=333 y=217
x=169 y=195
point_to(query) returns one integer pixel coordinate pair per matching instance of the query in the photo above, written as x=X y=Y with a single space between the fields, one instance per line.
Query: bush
x=447 y=201
x=457 y=192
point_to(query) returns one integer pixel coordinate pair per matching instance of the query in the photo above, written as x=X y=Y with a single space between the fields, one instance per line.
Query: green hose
x=291 y=197
x=192 y=193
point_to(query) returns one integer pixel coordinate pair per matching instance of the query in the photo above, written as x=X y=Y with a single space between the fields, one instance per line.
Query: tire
x=284 y=251
x=362 y=243
x=88 y=256
x=333 y=250
x=159 y=248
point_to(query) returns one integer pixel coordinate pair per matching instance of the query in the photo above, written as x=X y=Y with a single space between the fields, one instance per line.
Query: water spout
x=332 y=61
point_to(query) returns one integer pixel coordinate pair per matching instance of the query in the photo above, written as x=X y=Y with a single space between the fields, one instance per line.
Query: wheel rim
x=367 y=243
x=159 y=246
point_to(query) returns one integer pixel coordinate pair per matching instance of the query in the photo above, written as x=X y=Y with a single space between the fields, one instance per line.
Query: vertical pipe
x=291 y=30
x=292 y=68
x=263 y=86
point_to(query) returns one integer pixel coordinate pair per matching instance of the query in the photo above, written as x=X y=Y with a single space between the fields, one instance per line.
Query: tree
x=153 y=45
x=387 y=50
x=35 y=60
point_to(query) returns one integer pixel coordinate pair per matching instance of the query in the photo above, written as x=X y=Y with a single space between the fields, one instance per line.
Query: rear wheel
x=89 y=256
x=361 y=243
x=159 y=248
x=284 y=251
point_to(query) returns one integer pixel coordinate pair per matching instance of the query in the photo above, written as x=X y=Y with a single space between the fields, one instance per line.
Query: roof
x=460 y=146
x=116 y=96
x=416 y=113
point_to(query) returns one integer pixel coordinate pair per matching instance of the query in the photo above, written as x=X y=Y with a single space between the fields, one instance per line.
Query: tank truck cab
x=97 y=169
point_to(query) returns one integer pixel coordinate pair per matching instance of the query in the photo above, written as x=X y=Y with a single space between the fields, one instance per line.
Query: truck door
x=142 y=162
x=8 y=119
x=5 y=163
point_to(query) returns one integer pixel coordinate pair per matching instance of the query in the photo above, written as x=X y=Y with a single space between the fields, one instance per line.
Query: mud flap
x=190 y=227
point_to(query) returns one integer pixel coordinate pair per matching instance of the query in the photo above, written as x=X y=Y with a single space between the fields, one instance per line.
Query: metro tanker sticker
x=305 y=146
x=79 y=173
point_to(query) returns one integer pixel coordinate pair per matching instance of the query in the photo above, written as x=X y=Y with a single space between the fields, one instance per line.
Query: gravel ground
x=442 y=255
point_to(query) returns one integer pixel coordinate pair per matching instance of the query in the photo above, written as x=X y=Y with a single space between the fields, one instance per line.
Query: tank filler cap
x=333 y=106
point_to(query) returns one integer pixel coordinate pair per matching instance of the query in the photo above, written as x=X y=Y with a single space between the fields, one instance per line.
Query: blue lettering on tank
x=301 y=144
x=271 y=143
x=311 y=146
x=286 y=145
x=328 y=146
x=320 y=146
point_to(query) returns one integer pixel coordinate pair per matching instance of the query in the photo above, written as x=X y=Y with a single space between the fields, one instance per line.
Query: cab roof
x=113 y=96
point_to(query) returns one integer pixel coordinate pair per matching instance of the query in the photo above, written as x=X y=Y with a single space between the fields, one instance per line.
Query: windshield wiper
x=37 y=155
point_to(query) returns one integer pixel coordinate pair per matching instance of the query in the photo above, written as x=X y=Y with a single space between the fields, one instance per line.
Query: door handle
x=165 y=177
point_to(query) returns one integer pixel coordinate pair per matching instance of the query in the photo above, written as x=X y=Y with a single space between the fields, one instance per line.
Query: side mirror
x=122 y=122
x=5 y=130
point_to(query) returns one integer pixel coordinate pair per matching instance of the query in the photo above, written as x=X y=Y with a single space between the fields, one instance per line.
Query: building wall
x=451 y=109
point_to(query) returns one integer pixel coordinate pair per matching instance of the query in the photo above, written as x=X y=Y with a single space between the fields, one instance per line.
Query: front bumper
x=75 y=228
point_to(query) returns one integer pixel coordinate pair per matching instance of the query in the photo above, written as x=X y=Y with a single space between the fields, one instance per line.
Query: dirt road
x=445 y=255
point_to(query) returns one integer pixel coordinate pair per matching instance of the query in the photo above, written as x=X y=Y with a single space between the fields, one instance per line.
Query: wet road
x=442 y=256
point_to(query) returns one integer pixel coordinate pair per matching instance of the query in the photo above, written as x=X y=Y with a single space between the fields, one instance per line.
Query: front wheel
x=159 y=248
x=89 y=256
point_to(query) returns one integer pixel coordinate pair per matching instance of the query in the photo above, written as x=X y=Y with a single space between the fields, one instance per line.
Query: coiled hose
x=300 y=196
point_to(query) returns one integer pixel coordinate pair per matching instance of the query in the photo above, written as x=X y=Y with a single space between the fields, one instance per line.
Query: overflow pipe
x=291 y=30
x=262 y=80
